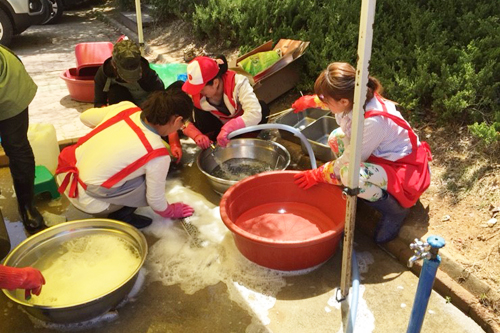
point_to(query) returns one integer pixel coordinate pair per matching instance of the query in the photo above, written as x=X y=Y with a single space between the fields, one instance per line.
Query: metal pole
x=138 y=15
x=428 y=251
x=364 y=53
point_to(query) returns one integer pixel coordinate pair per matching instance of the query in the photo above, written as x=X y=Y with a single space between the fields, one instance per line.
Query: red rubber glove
x=201 y=140
x=308 y=102
x=230 y=126
x=27 y=278
x=176 y=210
x=175 y=146
x=309 y=178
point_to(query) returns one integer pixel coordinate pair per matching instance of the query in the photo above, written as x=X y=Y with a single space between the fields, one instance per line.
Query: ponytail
x=374 y=86
x=223 y=67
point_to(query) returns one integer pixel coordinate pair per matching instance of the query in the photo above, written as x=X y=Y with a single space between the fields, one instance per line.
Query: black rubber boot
x=31 y=218
x=126 y=214
x=393 y=215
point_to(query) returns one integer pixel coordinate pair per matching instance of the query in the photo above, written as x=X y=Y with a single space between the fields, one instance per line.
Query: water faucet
x=421 y=250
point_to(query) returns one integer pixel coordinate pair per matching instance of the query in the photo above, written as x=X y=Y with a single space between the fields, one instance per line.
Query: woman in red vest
x=122 y=163
x=223 y=101
x=394 y=168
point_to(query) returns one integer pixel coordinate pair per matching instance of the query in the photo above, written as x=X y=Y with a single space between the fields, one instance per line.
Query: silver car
x=18 y=15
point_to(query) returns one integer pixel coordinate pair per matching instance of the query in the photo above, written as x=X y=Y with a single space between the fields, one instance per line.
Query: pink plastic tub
x=277 y=225
x=81 y=88
x=91 y=54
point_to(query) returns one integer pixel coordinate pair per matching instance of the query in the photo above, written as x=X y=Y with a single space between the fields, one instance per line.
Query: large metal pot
x=32 y=250
x=270 y=153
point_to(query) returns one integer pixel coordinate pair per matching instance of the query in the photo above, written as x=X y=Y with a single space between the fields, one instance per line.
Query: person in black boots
x=17 y=90
x=394 y=168
x=123 y=163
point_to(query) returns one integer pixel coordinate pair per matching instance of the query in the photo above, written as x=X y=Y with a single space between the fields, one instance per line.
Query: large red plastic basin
x=277 y=225
x=81 y=88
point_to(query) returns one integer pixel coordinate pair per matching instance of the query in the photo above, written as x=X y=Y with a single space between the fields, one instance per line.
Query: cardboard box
x=283 y=75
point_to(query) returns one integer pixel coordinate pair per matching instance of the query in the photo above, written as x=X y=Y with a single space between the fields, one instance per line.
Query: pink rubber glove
x=230 y=126
x=201 y=140
x=309 y=178
x=27 y=278
x=175 y=146
x=176 y=210
x=308 y=102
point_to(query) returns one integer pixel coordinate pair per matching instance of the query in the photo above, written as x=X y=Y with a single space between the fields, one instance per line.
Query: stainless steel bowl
x=299 y=121
x=268 y=152
x=33 y=249
x=317 y=135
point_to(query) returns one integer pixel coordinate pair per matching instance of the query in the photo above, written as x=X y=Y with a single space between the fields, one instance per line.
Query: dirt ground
x=463 y=202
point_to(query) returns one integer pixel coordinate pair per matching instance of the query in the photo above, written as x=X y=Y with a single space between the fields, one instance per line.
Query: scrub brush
x=192 y=231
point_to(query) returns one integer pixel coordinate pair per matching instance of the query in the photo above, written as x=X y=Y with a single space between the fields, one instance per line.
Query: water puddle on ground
x=173 y=261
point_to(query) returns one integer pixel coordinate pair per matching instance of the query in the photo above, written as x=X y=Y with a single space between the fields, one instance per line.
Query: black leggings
x=210 y=125
x=14 y=134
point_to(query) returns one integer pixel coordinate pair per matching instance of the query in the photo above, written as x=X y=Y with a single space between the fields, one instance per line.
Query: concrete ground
x=301 y=303
x=304 y=303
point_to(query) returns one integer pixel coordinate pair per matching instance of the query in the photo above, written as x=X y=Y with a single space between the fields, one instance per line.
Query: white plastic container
x=43 y=140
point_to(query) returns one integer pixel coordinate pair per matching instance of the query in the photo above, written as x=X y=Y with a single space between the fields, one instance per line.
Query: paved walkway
x=47 y=51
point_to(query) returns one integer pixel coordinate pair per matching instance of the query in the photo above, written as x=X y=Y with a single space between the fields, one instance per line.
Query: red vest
x=409 y=176
x=229 y=82
x=67 y=158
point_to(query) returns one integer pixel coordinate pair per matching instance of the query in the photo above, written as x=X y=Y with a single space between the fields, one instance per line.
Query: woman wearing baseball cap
x=224 y=101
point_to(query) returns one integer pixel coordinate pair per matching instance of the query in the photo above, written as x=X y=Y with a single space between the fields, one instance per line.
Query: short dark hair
x=161 y=106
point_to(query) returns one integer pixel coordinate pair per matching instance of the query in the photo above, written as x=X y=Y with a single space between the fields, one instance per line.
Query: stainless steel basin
x=300 y=121
x=267 y=153
x=42 y=249
x=317 y=135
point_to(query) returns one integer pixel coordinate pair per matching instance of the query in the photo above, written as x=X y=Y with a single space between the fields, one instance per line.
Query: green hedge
x=440 y=59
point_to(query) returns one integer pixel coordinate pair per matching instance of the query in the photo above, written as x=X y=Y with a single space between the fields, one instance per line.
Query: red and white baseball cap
x=199 y=71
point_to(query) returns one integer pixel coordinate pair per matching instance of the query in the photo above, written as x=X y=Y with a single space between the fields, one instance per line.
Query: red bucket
x=80 y=88
x=277 y=225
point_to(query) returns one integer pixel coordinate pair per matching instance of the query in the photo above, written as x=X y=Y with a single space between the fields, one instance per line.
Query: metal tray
x=299 y=121
x=317 y=135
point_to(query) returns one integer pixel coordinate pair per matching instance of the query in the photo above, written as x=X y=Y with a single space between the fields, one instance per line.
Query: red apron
x=409 y=176
x=67 y=158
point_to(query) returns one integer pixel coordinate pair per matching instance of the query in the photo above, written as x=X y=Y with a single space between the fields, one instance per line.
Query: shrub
x=487 y=134
x=437 y=58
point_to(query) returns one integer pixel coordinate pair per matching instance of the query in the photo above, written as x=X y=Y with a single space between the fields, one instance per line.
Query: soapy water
x=365 y=321
x=98 y=321
x=83 y=269
x=239 y=168
x=172 y=261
